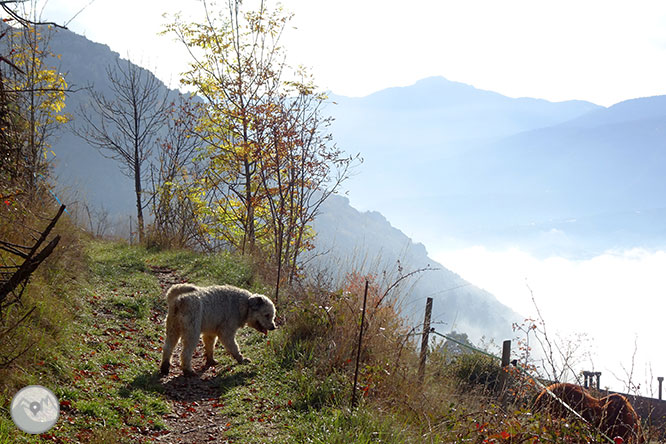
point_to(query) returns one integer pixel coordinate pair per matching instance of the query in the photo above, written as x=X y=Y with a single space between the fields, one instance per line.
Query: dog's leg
x=169 y=344
x=172 y=336
x=209 y=345
x=229 y=342
x=190 y=340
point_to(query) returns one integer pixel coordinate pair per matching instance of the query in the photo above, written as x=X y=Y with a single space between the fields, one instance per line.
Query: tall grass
x=458 y=401
x=51 y=290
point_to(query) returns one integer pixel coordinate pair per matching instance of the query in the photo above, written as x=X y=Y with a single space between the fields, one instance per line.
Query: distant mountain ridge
x=410 y=136
x=438 y=92
x=449 y=111
x=602 y=166
x=640 y=109
x=480 y=168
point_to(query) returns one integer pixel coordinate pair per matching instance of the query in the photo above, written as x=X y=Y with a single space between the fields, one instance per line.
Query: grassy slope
x=104 y=367
x=102 y=352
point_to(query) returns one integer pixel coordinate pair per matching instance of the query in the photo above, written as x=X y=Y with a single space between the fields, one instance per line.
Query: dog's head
x=261 y=313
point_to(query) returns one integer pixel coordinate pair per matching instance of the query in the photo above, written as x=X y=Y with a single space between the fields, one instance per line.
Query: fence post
x=358 y=352
x=504 y=373
x=424 y=339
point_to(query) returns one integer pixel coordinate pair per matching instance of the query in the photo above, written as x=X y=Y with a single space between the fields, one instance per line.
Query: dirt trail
x=195 y=401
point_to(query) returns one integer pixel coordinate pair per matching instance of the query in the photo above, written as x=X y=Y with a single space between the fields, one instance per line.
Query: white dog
x=216 y=312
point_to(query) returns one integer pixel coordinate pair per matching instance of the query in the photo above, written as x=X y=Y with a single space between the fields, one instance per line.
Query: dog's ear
x=256 y=302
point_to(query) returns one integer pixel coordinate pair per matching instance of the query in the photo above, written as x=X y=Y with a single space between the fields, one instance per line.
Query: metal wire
x=526 y=373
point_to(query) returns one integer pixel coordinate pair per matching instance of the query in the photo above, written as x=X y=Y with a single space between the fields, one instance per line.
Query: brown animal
x=613 y=414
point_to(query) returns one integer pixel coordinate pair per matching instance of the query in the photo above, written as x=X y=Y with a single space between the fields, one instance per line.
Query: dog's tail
x=177 y=290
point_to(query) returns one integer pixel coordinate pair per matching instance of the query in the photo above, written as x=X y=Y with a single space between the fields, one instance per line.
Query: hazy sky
x=604 y=51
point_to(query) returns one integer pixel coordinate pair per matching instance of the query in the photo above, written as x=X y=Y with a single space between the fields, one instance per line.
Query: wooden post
x=424 y=339
x=360 y=341
x=504 y=373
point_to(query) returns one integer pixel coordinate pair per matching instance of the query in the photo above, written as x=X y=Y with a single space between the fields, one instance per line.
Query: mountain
x=449 y=110
x=83 y=173
x=344 y=234
x=582 y=187
x=454 y=166
x=640 y=109
x=420 y=145
x=349 y=240
x=435 y=119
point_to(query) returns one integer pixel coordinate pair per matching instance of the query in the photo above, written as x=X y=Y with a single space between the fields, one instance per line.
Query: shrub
x=473 y=370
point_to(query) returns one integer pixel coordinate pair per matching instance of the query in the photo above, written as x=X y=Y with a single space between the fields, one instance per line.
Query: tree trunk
x=137 y=189
x=250 y=235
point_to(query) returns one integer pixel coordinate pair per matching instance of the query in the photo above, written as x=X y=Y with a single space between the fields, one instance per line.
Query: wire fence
x=524 y=372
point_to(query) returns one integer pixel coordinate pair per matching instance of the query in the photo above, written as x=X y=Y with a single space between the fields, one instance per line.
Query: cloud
x=617 y=298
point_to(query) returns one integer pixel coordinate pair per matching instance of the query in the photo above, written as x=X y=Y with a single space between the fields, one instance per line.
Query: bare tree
x=126 y=127
x=175 y=223
x=555 y=357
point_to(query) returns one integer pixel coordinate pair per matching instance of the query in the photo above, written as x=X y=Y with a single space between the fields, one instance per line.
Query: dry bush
x=459 y=399
x=175 y=224
x=326 y=324
x=22 y=219
x=162 y=238
x=47 y=296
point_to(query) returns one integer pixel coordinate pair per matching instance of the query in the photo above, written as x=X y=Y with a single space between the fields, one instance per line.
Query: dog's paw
x=210 y=363
x=164 y=368
x=189 y=373
x=242 y=360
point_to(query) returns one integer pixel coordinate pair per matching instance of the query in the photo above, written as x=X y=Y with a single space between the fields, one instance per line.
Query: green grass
x=100 y=352
x=205 y=269
x=82 y=366
x=340 y=426
x=103 y=362
x=282 y=399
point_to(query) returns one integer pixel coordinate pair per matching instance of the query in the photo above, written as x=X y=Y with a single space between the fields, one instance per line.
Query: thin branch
x=80 y=11
x=400 y=279
x=22 y=20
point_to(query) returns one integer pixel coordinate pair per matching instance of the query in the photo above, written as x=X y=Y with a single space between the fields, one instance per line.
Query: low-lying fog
x=616 y=300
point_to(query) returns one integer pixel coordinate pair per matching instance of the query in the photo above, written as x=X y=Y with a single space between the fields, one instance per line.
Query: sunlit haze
x=600 y=51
